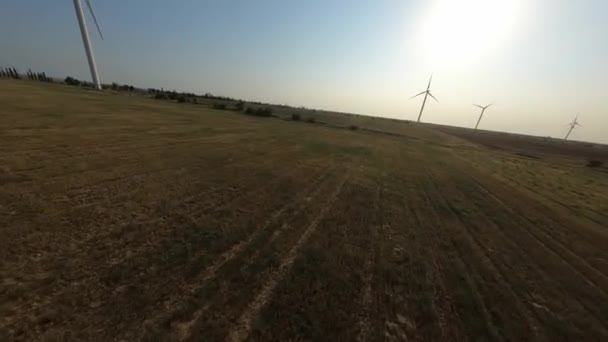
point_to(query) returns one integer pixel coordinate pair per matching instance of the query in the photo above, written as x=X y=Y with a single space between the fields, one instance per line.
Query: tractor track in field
x=497 y=271
x=184 y=202
x=365 y=322
x=557 y=247
x=242 y=327
x=210 y=271
x=128 y=240
x=225 y=202
x=105 y=182
x=529 y=228
x=107 y=149
x=436 y=246
x=508 y=189
x=259 y=166
x=136 y=219
x=182 y=328
x=545 y=236
x=472 y=277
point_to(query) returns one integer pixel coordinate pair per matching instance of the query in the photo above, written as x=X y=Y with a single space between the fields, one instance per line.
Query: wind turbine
x=85 y=39
x=426 y=93
x=483 y=109
x=572 y=125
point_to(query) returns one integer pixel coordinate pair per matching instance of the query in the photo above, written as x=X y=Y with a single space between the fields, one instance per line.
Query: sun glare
x=460 y=32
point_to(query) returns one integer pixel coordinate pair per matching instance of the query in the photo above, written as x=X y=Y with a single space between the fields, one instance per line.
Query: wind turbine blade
x=476 y=105
x=431 y=95
x=576 y=123
x=429 y=85
x=491 y=104
x=94 y=18
x=418 y=94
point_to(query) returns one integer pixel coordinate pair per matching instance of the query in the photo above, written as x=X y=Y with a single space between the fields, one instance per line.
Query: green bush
x=595 y=163
x=353 y=127
x=219 y=106
x=239 y=106
x=72 y=81
x=295 y=117
x=311 y=120
x=262 y=111
x=266 y=112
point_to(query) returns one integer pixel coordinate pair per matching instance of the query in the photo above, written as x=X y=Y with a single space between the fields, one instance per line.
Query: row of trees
x=74 y=81
x=160 y=94
x=38 y=76
x=9 y=73
x=224 y=103
x=114 y=86
x=12 y=72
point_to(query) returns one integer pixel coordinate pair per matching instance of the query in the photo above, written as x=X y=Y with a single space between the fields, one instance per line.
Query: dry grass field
x=126 y=218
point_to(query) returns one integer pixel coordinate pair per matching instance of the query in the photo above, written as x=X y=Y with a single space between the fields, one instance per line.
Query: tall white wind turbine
x=483 y=109
x=572 y=125
x=85 y=39
x=426 y=93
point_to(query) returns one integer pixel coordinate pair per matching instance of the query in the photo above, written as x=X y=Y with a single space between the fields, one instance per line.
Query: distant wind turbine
x=572 y=125
x=426 y=93
x=85 y=39
x=483 y=109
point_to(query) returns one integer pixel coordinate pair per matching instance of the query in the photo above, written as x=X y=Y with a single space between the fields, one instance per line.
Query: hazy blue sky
x=539 y=61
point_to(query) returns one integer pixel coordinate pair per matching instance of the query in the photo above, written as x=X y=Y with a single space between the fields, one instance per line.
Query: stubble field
x=125 y=218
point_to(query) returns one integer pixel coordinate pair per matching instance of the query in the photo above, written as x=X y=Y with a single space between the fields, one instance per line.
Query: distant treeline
x=217 y=102
x=161 y=94
x=114 y=86
x=11 y=72
x=221 y=102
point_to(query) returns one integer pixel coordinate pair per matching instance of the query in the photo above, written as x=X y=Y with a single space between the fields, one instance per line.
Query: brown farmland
x=126 y=218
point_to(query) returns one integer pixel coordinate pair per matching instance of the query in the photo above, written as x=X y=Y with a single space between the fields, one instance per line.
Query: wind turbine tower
x=426 y=93
x=86 y=41
x=483 y=109
x=572 y=125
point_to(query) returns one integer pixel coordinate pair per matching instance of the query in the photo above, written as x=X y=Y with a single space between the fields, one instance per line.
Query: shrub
x=295 y=117
x=594 y=163
x=220 y=106
x=311 y=120
x=239 y=106
x=263 y=112
x=72 y=81
x=181 y=99
x=353 y=127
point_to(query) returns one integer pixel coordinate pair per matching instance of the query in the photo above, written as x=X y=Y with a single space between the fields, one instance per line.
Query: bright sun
x=460 y=32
